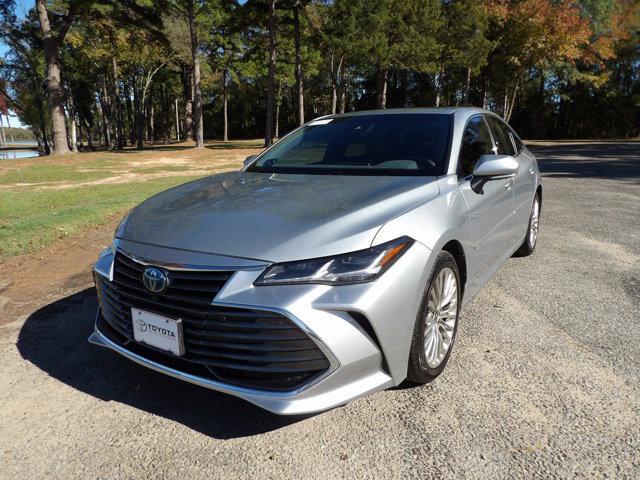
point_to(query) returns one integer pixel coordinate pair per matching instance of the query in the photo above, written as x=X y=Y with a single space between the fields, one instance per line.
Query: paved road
x=544 y=379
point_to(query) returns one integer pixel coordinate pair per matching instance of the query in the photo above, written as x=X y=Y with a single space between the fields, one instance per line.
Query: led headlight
x=356 y=267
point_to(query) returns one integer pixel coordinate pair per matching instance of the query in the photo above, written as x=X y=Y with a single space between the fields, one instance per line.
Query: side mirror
x=248 y=160
x=492 y=167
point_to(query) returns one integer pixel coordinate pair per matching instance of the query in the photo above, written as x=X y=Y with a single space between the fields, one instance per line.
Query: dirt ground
x=64 y=266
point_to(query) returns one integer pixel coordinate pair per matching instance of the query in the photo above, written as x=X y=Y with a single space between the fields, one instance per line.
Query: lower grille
x=245 y=347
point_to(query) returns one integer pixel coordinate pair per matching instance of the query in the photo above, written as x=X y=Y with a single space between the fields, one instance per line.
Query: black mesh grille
x=251 y=348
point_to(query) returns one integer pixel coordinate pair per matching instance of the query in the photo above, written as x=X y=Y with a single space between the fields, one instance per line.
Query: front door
x=491 y=212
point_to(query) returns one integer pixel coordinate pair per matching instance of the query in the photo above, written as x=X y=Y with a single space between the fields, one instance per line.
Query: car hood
x=274 y=217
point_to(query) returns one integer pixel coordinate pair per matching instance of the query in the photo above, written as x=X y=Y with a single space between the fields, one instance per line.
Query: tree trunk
x=151 y=128
x=147 y=106
x=106 y=115
x=3 y=137
x=334 y=88
x=186 y=76
x=197 y=95
x=440 y=88
x=336 y=79
x=74 y=138
x=129 y=107
x=383 y=75
x=9 y=127
x=276 y=131
x=51 y=46
x=177 y=122
x=334 y=99
x=271 y=84
x=505 y=103
x=118 y=106
x=541 y=126
x=139 y=107
x=165 y=113
x=43 y=126
x=72 y=119
x=89 y=135
x=512 y=102
x=467 y=87
x=36 y=133
x=79 y=127
x=299 y=76
x=484 y=89
x=225 y=102
x=343 y=86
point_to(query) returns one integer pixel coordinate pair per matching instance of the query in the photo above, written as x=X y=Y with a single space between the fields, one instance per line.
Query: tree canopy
x=89 y=74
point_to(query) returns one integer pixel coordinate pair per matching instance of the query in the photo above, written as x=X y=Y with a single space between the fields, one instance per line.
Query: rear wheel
x=437 y=322
x=531 y=239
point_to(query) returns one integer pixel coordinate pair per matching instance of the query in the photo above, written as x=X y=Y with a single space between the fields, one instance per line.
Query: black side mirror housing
x=248 y=160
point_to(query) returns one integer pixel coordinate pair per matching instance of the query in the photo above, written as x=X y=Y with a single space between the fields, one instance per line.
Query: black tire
x=418 y=372
x=528 y=247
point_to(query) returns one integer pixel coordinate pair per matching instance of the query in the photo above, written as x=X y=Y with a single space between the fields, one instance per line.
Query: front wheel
x=437 y=322
x=531 y=239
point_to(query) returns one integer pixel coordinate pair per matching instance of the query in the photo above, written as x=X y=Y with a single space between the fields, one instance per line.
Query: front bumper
x=364 y=329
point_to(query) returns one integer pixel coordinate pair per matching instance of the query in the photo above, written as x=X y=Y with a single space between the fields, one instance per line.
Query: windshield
x=388 y=144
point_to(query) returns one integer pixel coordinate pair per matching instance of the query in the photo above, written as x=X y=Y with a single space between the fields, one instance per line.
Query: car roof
x=391 y=111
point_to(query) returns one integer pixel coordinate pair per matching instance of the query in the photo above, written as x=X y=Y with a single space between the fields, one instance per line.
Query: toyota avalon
x=332 y=266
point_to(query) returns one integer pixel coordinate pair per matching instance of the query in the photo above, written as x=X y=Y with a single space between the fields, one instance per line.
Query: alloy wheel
x=442 y=314
x=533 y=225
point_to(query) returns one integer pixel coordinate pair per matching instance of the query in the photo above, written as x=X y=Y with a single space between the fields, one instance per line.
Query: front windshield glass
x=387 y=144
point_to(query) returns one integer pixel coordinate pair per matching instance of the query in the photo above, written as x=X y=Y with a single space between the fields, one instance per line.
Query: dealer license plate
x=158 y=331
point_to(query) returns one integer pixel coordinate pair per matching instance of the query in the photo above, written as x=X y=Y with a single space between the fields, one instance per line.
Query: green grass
x=34 y=219
x=51 y=173
x=45 y=199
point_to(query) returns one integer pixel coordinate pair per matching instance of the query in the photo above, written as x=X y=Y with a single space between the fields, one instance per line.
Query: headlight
x=357 y=267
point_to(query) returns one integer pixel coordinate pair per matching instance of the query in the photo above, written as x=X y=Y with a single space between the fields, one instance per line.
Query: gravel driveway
x=543 y=381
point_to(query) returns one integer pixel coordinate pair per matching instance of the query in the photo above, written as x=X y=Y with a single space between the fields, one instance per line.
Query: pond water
x=14 y=154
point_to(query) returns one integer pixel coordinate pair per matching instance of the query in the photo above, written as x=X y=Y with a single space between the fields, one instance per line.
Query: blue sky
x=22 y=6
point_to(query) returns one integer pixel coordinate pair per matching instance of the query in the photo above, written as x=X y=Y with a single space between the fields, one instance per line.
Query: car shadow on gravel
x=54 y=338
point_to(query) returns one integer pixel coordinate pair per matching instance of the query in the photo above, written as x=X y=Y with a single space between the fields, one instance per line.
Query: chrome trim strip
x=188 y=267
x=102 y=274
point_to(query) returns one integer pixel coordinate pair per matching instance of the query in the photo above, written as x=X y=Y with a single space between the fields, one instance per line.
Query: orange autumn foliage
x=541 y=32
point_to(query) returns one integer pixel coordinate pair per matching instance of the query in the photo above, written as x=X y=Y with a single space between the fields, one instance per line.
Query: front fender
x=435 y=222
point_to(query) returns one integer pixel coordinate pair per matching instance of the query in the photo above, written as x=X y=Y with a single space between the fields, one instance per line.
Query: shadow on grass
x=54 y=338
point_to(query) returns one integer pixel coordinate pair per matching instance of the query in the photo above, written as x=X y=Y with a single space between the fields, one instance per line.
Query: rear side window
x=476 y=142
x=501 y=136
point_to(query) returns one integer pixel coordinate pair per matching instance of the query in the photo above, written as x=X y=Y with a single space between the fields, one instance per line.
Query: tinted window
x=475 y=143
x=388 y=144
x=501 y=136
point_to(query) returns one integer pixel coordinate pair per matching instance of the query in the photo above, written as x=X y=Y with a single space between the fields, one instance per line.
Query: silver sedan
x=334 y=265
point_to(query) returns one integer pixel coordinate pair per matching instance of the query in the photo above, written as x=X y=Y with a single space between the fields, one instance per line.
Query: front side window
x=501 y=136
x=382 y=144
x=476 y=142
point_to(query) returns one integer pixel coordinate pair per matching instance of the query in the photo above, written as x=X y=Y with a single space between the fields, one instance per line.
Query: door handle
x=531 y=170
x=509 y=184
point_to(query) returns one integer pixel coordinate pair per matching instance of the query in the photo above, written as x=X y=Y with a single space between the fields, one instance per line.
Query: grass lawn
x=47 y=198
